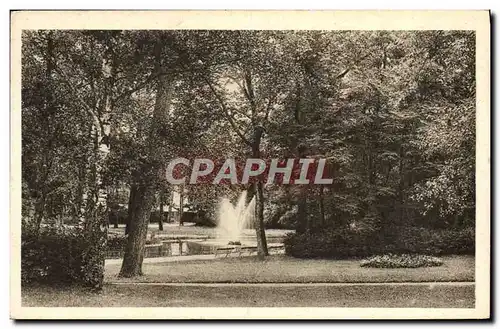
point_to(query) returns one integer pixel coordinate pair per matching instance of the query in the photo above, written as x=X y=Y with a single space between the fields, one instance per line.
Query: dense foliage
x=393 y=112
x=61 y=256
x=348 y=243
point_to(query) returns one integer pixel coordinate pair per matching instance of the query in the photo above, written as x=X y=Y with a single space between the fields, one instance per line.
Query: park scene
x=248 y=168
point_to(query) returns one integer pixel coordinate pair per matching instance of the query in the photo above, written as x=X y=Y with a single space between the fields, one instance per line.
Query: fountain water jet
x=232 y=220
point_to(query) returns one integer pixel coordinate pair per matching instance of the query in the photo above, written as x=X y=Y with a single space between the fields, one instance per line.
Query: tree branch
x=82 y=102
x=233 y=110
x=226 y=111
x=249 y=92
x=219 y=98
x=268 y=107
x=153 y=77
x=347 y=70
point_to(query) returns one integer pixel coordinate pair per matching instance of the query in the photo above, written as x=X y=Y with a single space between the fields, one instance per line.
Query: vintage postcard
x=250 y=165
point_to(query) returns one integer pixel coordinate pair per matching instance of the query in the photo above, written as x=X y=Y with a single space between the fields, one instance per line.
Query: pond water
x=169 y=248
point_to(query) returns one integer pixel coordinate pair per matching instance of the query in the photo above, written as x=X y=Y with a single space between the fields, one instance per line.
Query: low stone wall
x=197 y=248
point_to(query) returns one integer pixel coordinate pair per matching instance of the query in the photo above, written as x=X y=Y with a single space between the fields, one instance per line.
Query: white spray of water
x=232 y=220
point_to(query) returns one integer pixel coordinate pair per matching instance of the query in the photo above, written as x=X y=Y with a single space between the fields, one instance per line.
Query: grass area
x=286 y=269
x=276 y=269
x=252 y=296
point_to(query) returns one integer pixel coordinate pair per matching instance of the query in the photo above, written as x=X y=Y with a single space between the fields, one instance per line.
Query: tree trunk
x=39 y=211
x=162 y=210
x=321 y=206
x=169 y=217
x=147 y=177
x=40 y=205
x=134 y=250
x=181 y=206
x=260 y=232
x=133 y=192
x=95 y=200
x=112 y=215
x=401 y=185
x=301 y=224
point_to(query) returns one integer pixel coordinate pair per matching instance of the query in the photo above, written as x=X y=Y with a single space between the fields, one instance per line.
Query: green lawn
x=456 y=296
x=276 y=269
x=286 y=269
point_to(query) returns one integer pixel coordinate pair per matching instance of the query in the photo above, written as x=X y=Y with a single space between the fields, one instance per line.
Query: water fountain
x=232 y=220
x=230 y=237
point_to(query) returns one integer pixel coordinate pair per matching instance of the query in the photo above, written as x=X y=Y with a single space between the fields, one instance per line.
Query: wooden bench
x=225 y=250
x=228 y=250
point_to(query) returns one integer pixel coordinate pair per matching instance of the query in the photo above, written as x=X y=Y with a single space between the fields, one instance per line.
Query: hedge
x=343 y=243
x=62 y=256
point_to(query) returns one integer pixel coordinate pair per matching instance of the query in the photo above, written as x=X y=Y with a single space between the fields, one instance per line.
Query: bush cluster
x=420 y=240
x=345 y=243
x=117 y=242
x=401 y=261
x=120 y=215
x=62 y=256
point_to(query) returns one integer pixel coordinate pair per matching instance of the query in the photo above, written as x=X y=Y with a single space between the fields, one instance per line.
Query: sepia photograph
x=205 y=162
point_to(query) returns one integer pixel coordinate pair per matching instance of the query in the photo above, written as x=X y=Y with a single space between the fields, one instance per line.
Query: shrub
x=117 y=242
x=420 y=240
x=398 y=261
x=346 y=243
x=118 y=214
x=155 y=216
x=62 y=256
x=336 y=244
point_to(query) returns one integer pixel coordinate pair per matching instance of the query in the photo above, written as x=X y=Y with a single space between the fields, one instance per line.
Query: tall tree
x=145 y=178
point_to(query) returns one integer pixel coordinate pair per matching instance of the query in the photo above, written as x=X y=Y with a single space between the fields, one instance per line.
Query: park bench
x=228 y=250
